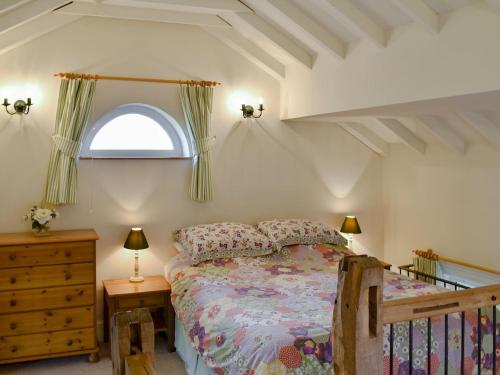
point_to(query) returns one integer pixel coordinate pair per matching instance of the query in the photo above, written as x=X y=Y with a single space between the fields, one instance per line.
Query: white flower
x=42 y=216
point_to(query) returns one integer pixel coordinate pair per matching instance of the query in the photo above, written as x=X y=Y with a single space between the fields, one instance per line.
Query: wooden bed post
x=357 y=336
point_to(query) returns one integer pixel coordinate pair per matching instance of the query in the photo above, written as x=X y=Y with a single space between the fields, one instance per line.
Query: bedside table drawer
x=133 y=302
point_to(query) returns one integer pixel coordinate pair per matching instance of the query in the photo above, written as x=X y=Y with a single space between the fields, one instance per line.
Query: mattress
x=272 y=315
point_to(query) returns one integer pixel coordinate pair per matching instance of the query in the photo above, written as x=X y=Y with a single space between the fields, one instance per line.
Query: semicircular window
x=136 y=131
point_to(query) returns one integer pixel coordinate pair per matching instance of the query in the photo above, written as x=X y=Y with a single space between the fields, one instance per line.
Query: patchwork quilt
x=272 y=315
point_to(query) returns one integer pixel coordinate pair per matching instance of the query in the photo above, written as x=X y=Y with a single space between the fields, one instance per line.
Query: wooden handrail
x=404 y=309
x=429 y=254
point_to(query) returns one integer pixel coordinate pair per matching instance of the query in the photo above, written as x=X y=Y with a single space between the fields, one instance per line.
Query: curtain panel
x=73 y=111
x=197 y=106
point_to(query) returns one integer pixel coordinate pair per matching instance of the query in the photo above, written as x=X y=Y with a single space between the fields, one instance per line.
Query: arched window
x=136 y=131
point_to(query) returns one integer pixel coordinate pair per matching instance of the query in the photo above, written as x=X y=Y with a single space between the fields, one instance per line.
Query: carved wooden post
x=357 y=318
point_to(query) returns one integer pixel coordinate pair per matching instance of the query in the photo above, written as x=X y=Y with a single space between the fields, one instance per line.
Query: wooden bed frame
x=360 y=313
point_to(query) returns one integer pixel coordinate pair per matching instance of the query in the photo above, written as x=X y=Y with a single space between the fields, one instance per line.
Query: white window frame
x=181 y=146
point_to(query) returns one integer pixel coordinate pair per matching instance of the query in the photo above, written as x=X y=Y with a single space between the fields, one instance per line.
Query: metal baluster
x=462 y=344
x=494 y=339
x=391 y=348
x=410 y=338
x=446 y=344
x=479 y=341
x=429 y=343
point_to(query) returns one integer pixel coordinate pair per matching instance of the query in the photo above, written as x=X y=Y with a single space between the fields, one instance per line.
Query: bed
x=273 y=315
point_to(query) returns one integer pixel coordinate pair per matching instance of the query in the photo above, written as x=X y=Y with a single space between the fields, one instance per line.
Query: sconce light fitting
x=21 y=107
x=248 y=110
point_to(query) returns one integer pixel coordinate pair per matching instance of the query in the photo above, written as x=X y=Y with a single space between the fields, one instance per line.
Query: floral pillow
x=299 y=231
x=223 y=240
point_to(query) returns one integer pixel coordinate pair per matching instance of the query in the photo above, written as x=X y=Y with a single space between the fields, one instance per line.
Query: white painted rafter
x=441 y=130
x=404 y=134
x=275 y=36
x=202 y=6
x=420 y=13
x=142 y=14
x=8 y=5
x=27 y=12
x=366 y=137
x=484 y=126
x=249 y=50
x=353 y=18
x=495 y=4
x=32 y=30
x=297 y=22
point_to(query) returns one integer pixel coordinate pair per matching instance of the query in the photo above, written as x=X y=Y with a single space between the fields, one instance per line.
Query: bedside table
x=153 y=293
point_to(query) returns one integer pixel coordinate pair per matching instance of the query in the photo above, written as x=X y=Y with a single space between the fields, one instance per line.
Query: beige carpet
x=165 y=363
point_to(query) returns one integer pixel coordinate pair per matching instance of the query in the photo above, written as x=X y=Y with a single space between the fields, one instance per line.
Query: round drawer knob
x=67 y=253
x=13 y=325
x=13 y=302
x=69 y=320
x=67 y=276
x=69 y=342
x=69 y=298
x=13 y=280
x=12 y=256
x=13 y=349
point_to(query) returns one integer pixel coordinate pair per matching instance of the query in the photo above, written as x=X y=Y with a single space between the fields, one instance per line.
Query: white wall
x=442 y=201
x=262 y=169
x=416 y=65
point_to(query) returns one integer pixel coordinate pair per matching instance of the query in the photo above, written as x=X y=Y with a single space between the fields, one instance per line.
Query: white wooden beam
x=27 y=12
x=366 y=137
x=404 y=134
x=8 y=5
x=484 y=126
x=442 y=131
x=276 y=37
x=298 y=23
x=358 y=21
x=495 y=4
x=249 y=50
x=32 y=30
x=202 y=6
x=142 y=14
x=420 y=13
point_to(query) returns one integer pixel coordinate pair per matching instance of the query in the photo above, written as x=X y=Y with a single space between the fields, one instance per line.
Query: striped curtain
x=73 y=110
x=197 y=106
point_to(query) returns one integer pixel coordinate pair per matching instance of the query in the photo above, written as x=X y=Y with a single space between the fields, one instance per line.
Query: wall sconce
x=20 y=106
x=248 y=110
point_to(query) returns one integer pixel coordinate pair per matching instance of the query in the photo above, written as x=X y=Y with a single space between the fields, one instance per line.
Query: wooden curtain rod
x=136 y=79
x=429 y=254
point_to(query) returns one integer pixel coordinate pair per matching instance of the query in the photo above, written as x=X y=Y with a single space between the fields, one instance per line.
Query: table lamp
x=350 y=226
x=136 y=241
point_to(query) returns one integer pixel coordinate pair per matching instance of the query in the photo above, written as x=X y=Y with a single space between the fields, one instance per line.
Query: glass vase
x=42 y=230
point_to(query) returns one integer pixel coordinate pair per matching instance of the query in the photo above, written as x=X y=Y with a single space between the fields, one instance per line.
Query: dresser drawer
x=43 y=276
x=46 y=320
x=46 y=343
x=43 y=254
x=46 y=298
x=133 y=302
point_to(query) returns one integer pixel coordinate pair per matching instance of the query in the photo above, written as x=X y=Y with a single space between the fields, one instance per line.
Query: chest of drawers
x=47 y=295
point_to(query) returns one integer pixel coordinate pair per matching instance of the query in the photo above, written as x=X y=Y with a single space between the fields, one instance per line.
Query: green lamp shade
x=136 y=240
x=350 y=225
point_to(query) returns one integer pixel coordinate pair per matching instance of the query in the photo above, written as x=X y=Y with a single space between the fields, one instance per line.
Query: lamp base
x=136 y=279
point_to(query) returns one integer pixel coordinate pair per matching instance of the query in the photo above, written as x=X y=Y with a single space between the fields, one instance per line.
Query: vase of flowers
x=40 y=219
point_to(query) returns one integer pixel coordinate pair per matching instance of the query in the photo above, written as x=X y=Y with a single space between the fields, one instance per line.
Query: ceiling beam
x=366 y=137
x=27 y=12
x=495 y=4
x=442 y=131
x=358 y=21
x=202 y=6
x=8 y=5
x=32 y=30
x=142 y=14
x=276 y=37
x=249 y=50
x=404 y=134
x=297 y=22
x=484 y=126
x=420 y=13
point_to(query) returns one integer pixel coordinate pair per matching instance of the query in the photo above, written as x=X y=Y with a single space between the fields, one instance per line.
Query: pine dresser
x=47 y=295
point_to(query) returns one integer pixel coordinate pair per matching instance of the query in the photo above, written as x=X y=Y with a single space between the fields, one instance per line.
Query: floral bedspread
x=272 y=315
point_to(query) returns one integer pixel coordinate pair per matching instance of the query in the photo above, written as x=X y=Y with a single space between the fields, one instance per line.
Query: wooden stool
x=132 y=332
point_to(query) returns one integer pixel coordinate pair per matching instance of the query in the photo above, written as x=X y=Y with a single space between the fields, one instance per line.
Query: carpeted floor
x=165 y=363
